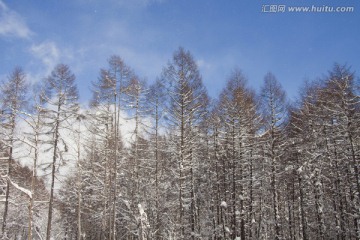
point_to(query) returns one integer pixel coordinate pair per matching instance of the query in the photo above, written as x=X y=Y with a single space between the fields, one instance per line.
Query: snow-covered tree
x=61 y=97
x=274 y=111
x=237 y=110
x=186 y=107
x=13 y=97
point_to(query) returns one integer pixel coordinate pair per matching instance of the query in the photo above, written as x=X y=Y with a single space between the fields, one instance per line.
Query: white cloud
x=45 y=56
x=47 y=52
x=50 y=54
x=202 y=64
x=12 y=24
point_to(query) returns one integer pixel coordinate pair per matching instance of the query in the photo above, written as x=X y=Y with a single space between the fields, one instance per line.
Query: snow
x=23 y=152
x=141 y=210
x=318 y=183
x=24 y=190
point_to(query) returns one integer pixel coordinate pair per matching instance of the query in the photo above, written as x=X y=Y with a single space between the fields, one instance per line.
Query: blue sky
x=221 y=35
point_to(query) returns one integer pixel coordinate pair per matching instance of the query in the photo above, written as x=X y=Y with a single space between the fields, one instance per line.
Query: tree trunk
x=56 y=139
x=7 y=191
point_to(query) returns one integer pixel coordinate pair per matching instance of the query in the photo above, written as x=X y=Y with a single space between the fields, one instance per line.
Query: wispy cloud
x=203 y=64
x=12 y=24
x=45 y=56
x=47 y=52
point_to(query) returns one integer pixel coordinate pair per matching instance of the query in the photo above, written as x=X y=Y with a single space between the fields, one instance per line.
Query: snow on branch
x=24 y=190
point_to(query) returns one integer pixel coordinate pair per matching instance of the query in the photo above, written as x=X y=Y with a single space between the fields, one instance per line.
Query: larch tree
x=108 y=105
x=339 y=99
x=135 y=104
x=101 y=152
x=33 y=118
x=156 y=97
x=61 y=97
x=138 y=159
x=239 y=116
x=250 y=168
x=213 y=124
x=274 y=110
x=13 y=94
x=187 y=107
x=323 y=158
x=303 y=123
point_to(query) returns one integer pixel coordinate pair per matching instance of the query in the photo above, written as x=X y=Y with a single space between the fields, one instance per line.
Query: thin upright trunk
x=261 y=206
x=217 y=219
x=293 y=204
x=223 y=221
x=193 y=203
x=106 y=224
x=56 y=140
x=137 y=162
x=274 y=191
x=116 y=115
x=233 y=194
x=181 y=162
x=302 y=209
x=7 y=191
x=242 y=197
x=319 y=205
x=158 y=232
x=252 y=215
x=275 y=202
x=8 y=170
x=33 y=178
x=193 y=207
x=340 y=220
x=290 y=218
x=79 y=233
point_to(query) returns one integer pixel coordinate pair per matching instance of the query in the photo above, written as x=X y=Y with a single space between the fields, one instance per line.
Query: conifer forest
x=161 y=159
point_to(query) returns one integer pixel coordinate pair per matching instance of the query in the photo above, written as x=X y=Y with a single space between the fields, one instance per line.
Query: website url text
x=306 y=9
